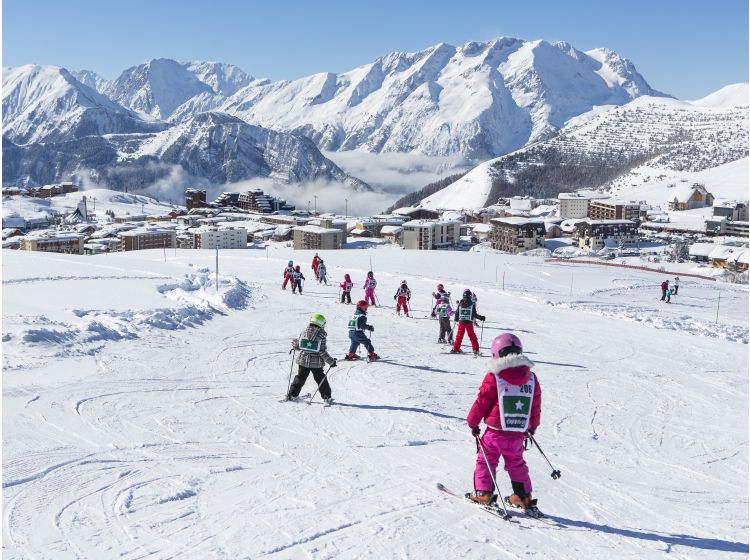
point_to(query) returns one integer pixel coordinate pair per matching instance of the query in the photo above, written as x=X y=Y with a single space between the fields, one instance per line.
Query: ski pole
x=319 y=384
x=489 y=468
x=481 y=334
x=291 y=368
x=555 y=473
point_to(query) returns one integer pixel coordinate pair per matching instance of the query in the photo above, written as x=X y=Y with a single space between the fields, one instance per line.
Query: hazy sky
x=686 y=48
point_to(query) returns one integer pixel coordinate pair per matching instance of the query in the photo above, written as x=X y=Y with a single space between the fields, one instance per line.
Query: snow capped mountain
x=479 y=99
x=733 y=95
x=212 y=147
x=91 y=79
x=159 y=87
x=644 y=138
x=48 y=104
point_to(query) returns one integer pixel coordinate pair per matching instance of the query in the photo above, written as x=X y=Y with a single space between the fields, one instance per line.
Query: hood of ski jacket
x=516 y=370
x=313 y=359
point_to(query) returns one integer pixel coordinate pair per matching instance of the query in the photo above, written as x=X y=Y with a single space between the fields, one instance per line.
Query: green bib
x=442 y=310
x=309 y=345
x=515 y=404
x=464 y=313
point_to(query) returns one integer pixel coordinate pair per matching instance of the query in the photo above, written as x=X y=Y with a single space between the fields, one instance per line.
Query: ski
x=465 y=354
x=533 y=512
x=491 y=509
x=296 y=399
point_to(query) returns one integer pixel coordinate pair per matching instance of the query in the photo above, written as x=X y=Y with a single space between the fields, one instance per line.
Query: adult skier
x=288 y=273
x=676 y=284
x=357 y=327
x=297 y=278
x=315 y=264
x=346 y=289
x=444 y=312
x=466 y=312
x=664 y=288
x=369 y=286
x=311 y=346
x=510 y=403
x=402 y=296
x=322 y=279
x=438 y=295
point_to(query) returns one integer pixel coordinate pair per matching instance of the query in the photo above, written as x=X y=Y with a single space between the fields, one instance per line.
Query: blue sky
x=686 y=48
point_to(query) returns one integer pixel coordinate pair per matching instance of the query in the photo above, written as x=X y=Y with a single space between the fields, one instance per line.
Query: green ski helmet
x=318 y=320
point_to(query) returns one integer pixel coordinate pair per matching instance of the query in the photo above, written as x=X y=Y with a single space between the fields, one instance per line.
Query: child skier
x=346 y=289
x=676 y=284
x=357 y=327
x=288 y=273
x=444 y=311
x=369 y=287
x=315 y=264
x=669 y=295
x=322 y=273
x=402 y=296
x=507 y=420
x=466 y=312
x=311 y=346
x=438 y=297
x=297 y=278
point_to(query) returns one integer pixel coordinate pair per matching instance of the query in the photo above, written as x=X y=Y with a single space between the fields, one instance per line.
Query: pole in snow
x=503 y=280
x=370 y=262
x=571 y=283
x=266 y=251
x=495 y=274
x=484 y=262
x=717 y=307
x=217 y=269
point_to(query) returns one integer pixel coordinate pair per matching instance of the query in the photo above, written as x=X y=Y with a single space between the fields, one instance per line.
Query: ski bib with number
x=442 y=310
x=403 y=293
x=307 y=345
x=353 y=323
x=297 y=275
x=372 y=283
x=348 y=286
x=515 y=404
x=465 y=313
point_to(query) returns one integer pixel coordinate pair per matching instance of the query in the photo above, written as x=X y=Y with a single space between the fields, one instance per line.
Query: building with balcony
x=517 y=235
x=594 y=235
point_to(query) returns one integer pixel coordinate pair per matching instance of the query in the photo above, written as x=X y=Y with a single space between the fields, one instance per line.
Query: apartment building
x=426 y=235
x=516 y=235
x=210 y=237
x=149 y=238
x=317 y=238
x=594 y=235
x=53 y=242
x=614 y=210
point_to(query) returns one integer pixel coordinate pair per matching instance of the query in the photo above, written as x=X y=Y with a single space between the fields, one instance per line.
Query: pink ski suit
x=369 y=287
x=516 y=370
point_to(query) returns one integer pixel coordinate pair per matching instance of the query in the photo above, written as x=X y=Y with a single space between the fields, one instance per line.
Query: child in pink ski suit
x=369 y=287
x=521 y=408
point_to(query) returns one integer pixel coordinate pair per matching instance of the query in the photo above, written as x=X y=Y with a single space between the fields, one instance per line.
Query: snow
x=146 y=420
x=733 y=95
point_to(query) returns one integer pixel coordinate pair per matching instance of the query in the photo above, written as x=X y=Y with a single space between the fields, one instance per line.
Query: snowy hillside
x=646 y=137
x=146 y=415
x=733 y=95
x=479 y=100
x=48 y=104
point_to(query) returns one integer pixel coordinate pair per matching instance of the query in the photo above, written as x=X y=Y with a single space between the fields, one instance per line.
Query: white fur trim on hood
x=510 y=361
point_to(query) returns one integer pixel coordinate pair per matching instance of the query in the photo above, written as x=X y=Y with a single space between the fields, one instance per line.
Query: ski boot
x=441 y=341
x=328 y=401
x=351 y=356
x=477 y=353
x=372 y=356
x=527 y=504
x=454 y=351
x=482 y=497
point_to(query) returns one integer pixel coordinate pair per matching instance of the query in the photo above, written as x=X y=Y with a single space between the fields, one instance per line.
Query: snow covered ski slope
x=142 y=418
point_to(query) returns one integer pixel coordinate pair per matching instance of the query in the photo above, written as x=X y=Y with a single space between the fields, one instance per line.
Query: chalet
x=689 y=197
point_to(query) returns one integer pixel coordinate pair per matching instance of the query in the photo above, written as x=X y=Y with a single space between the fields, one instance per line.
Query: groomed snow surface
x=142 y=415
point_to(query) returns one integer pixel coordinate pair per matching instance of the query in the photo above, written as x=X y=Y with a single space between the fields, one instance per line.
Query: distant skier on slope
x=322 y=279
x=402 y=296
x=676 y=284
x=297 y=278
x=438 y=295
x=664 y=288
x=510 y=403
x=357 y=327
x=288 y=273
x=669 y=295
x=346 y=289
x=315 y=264
x=311 y=346
x=444 y=312
x=369 y=286
x=466 y=312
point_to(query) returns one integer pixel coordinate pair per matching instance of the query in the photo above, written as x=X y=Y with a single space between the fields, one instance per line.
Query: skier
x=369 y=287
x=664 y=288
x=669 y=294
x=357 y=327
x=288 y=273
x=315 y=264
x=312 y=355
x=346 y=289
x=438 y=297
x=676 y=284
x=444 y=311
x=508 y=419
x=466 y=312
x=322 y=273
x=297 y=279
x=402 y=296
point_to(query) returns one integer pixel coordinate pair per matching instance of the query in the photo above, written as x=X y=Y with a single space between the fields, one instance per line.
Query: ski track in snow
x=172 y=443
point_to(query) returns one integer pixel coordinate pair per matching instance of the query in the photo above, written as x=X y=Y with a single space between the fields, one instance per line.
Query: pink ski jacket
x=516 y=370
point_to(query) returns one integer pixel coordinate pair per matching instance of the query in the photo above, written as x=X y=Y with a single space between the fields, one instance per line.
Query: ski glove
x=532 y=431
x=394 y=298
x=370 y=328
x=475 y=431
x=334 y=363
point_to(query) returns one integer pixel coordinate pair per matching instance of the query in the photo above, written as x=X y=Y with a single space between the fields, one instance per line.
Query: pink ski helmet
x=505 y=344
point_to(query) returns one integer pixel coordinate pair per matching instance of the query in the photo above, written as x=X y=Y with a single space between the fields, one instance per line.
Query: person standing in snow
x=357 y=327
x=315 y=264
x=466 y=313
x=297 y=278
x=402 y=296
x=322 y=279
x=369 y=286
x=444 y=311
x=438 y=298
x=288 y=273
x=676 y=284
x=311 y=346
x=510 y=403
x=669 y=295
x=346 y=289
x=664 y=288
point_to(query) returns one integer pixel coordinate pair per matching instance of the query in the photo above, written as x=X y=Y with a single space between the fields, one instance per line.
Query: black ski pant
x=296 y=285
x=676 y=287
x=663 y=294
x=346 y=296
x=446 y=331
x=301 y=377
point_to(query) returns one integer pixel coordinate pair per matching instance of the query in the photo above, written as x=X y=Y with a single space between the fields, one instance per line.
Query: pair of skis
x=497 y=511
